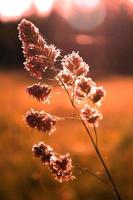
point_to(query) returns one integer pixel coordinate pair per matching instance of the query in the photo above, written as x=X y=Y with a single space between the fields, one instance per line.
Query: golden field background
x=24 y=178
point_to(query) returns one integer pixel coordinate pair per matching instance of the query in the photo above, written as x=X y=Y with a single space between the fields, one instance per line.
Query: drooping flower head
x=40 y=120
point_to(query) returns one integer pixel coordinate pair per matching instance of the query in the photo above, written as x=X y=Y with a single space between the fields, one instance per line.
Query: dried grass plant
x=75 y=79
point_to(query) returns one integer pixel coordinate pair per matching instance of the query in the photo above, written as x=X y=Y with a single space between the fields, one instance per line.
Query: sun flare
x=87 y=3
x=44 y=6
x=14 y=8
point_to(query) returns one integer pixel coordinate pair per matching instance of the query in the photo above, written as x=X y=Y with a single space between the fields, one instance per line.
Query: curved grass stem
x=96 y=137
x=114 y=187
x=93 y=174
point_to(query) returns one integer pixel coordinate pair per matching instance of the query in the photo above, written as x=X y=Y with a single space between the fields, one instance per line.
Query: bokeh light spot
x=14 y=8
x=83 y=39
x=83 y=18
x=44 y=6
x=87 y=3
x=87 y=21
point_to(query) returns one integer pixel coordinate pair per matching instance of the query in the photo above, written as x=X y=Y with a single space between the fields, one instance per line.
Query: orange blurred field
x=24 y=178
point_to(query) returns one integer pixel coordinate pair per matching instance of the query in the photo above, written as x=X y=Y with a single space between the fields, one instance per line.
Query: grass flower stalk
x=81 y=89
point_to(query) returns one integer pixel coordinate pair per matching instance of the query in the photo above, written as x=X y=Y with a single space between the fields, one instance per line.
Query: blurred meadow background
x=102 y=31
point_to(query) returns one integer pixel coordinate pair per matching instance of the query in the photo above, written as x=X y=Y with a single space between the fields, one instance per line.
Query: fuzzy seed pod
x=74 y=63
x=59 y=165
x=39 y=91
x=29 y=34
x=90 y=115
x=40 y=120
x=61 y=168
x=83 y=86
x=66 y=77
x=98 y=94
x=43 y=151
x=39 y=55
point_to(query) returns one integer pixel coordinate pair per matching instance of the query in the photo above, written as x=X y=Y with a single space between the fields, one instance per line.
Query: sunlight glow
x=44 y=6
x=14 y=8
x=87 y=3
x=65 y=8
x=81 y=17
x=83 y=39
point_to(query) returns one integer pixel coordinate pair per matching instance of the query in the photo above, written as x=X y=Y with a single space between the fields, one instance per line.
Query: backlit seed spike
x=42 y=121
x=75 y=64
x=39 y=55
x=90 y=115
x=98 y=94
x=83 y=87
x=40 y=92
x=60 y=166
x=66 y=77
x=29 y=34
x=43 y=151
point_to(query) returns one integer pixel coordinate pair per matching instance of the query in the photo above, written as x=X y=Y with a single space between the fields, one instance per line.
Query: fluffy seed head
x=59 y=165
x=31 y=50
x=61 y=168
x=90 y=115
x=39 y=91
x=39 y=55
x=42 y=151
x=40 y=120
x=74 y=63
x=83 y=86
x=51 y=54
x=66 y=77
x=36 y=66
x=29 y=33
x=98 y=94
